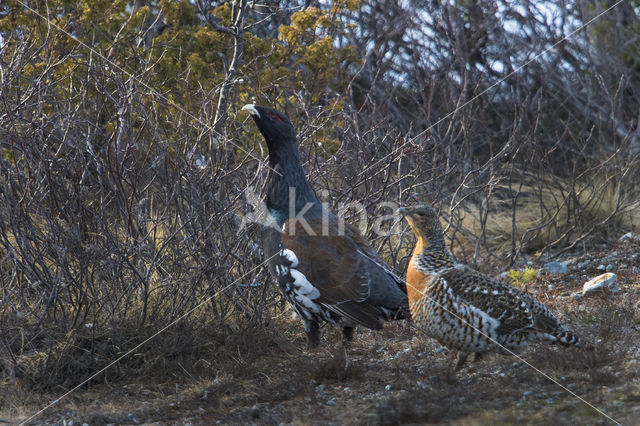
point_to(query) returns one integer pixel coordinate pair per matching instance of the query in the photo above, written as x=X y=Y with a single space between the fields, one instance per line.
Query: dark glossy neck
x=287 y=178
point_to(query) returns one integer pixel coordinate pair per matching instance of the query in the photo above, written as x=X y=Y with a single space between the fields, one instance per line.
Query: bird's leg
x=462 y=357
x=313 y=333
x=347 y=333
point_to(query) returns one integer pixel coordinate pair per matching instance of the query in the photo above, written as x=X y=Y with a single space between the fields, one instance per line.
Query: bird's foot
x=313 y=334
x=461 y=358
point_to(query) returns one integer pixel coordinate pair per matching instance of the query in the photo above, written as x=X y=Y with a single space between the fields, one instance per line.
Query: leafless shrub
x=108 y=237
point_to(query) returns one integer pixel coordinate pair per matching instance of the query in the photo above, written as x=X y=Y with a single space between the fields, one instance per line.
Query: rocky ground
x=398 y=376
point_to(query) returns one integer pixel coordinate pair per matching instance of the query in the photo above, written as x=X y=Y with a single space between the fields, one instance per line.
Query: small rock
x=610 y=267
x=526 y=394
x=387 y=388
x=556 y=267
x=630 y=237
x=601 y=267
x=583 y=265
x=331 y=402
x=608 y=280
x=320 y=388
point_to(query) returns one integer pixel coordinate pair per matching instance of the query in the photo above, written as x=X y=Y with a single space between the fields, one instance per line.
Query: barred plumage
x=465 y=309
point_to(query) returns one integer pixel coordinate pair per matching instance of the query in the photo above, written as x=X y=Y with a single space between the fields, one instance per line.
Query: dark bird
x=464 y=309
x=325 y=267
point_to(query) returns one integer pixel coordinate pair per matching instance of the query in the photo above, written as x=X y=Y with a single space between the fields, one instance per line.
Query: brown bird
x=466 y=310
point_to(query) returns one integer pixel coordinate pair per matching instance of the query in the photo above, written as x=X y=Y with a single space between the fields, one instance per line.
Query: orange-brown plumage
x=465 y=309
x=416 y=283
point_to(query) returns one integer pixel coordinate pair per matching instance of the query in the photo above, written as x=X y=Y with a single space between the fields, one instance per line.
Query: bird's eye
x=275 y=117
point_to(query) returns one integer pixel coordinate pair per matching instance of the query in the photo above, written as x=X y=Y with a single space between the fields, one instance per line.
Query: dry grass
x=548 y=214
x=391 y=377
x=180 y=355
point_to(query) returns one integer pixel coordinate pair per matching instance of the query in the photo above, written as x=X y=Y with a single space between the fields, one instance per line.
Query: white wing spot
x=290 y=256
x=303 y=286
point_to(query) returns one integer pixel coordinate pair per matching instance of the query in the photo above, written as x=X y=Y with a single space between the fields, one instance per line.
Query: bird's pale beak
x=252 y=109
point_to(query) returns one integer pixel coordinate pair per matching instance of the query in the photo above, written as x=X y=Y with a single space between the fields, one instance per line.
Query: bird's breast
x=416 y=282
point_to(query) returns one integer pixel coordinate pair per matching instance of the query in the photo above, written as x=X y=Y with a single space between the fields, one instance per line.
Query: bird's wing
x=514 y=309
x=331 y=261
x=376 y=262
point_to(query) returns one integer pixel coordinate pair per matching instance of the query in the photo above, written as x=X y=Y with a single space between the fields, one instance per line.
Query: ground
x=399 y=376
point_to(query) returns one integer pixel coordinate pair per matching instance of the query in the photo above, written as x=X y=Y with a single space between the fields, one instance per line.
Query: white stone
x=630 y=237
x=608 y=280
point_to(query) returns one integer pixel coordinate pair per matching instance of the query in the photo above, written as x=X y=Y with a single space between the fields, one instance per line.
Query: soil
x=399 y=376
